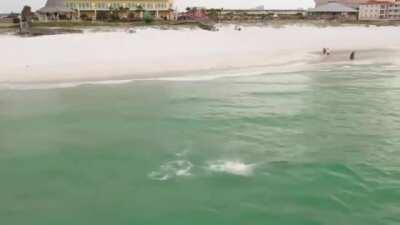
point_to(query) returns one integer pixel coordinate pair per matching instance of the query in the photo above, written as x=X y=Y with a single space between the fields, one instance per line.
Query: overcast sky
x=16 y=5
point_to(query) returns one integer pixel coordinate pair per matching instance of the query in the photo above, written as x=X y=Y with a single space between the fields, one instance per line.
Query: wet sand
x=361 y=55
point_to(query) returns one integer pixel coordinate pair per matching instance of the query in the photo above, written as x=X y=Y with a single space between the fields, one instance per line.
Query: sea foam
x=172 y=169
x=232 y=167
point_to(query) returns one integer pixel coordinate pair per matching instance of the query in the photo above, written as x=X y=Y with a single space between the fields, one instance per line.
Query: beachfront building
x=350 y=3
x=94 y=9
x=333 y=11
x=194 y=13
x=370 y=11
x=55 y=10
x=9 y=18
x=3 y=16
x=377 y=10
x=159 y=9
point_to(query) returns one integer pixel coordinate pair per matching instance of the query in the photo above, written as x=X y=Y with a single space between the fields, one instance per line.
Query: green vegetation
x=148 y=18
x=8 y=25
x=82 y=24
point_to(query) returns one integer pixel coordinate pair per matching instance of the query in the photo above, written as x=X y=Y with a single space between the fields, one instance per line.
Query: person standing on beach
x=352 y=55
x=328 y=51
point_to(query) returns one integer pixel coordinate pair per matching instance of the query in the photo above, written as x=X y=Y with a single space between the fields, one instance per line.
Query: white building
x=370 y=11
x=391 y=11
x=377 y=10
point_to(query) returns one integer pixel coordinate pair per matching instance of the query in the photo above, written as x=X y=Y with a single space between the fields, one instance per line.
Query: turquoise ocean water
x=302 y=148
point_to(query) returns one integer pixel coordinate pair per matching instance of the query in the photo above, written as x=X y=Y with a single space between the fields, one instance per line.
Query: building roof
x=376 y=2
x=55 y=6
x=332 y=7
x=351 y=3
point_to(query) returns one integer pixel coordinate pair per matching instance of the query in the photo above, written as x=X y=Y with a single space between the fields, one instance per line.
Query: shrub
x=147 y=17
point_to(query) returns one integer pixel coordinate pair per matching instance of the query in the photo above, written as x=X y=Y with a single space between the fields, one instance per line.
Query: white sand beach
x=155 y=53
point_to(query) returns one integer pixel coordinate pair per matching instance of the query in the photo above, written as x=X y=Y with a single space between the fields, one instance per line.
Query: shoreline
x=184 y=54
x=78 y=26
x=339 y=57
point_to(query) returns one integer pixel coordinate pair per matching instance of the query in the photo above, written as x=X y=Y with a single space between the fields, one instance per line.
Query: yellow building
x=161 y=9
x=92 y=9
